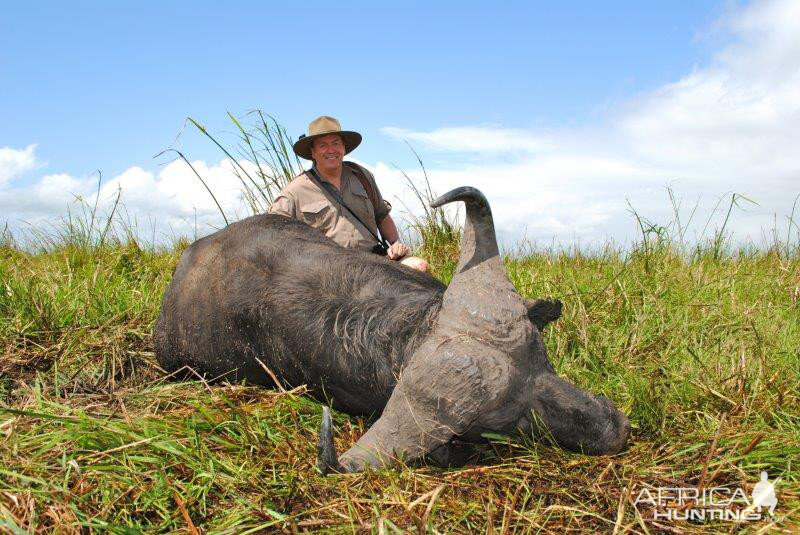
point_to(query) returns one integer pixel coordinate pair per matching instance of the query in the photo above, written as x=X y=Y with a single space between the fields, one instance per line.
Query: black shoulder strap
x=330 y=188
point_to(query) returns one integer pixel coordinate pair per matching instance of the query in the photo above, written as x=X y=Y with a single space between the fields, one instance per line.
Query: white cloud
x=15 y=162
x=172 y=203
x=742 y=110
x=555 y=197
x=731 y=126
x=474 y=139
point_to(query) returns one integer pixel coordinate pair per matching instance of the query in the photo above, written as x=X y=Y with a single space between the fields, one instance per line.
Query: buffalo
x=441 y=365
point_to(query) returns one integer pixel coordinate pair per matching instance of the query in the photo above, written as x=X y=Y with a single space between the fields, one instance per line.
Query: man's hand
x=397 y=250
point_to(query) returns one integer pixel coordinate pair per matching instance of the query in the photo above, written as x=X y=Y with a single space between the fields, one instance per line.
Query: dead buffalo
x=441 y=365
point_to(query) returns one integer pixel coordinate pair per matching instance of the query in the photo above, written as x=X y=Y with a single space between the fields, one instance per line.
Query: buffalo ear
x=543 y=311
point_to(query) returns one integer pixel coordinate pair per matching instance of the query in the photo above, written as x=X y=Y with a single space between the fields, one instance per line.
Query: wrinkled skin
x=440 y=365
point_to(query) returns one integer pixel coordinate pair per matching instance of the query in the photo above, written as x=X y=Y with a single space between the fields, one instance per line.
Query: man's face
x=328 y=152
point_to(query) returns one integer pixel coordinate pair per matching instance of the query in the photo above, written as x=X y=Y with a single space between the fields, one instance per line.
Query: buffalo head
x=482 y=367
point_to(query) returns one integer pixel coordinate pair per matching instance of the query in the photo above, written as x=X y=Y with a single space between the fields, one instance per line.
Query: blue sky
x=107 y=86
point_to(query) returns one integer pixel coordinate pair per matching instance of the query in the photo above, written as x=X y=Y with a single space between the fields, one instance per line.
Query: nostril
x=620 y=426
x=624 y=432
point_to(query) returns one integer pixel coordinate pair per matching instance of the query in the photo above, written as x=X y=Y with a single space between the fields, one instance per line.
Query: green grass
x=700 y=350
x=699 y=344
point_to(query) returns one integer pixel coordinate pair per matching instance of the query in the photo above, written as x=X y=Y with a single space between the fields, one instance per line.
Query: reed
x=696 y=341
x=701 y=350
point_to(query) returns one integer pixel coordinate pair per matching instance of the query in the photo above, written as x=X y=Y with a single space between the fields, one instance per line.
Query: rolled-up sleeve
x=284 y=206
x=383 y=207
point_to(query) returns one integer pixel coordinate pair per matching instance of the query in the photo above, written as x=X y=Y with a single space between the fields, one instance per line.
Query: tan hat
x=322 y=126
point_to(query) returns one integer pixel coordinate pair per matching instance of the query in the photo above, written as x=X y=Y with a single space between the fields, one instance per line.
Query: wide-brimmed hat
x=322 y=126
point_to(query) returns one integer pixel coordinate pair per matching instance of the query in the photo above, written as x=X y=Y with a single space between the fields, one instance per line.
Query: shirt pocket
x=318 y=214
x=363 y=206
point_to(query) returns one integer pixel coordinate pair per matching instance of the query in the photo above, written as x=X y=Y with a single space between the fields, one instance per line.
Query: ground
x=701 y=349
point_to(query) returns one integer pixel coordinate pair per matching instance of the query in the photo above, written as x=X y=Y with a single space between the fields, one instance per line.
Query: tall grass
x=700 y=350
x=262 y=158
x=698 y=343
x=435 y=230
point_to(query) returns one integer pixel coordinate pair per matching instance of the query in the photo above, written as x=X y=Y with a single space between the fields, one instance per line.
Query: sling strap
x=330 y=188
x=358 y=171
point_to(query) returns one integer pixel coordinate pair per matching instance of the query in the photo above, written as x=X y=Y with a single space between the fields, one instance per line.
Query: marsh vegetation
x=699 y=344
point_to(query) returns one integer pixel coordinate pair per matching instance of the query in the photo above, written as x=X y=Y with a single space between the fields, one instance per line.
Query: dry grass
x=699 y=345
x=702 y=353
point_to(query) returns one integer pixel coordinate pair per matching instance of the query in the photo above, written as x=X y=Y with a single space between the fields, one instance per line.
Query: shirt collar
x=345 y=174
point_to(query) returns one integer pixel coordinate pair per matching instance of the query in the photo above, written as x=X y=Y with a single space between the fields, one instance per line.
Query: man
x=316 y=196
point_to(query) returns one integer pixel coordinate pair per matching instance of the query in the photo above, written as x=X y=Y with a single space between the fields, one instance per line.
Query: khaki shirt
x=304 y=199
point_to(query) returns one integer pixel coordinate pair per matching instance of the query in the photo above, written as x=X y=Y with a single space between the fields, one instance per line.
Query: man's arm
x=389 y=231
x=386 y=225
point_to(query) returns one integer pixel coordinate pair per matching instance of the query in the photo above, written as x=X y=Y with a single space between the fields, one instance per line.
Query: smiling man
x=341 y=198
